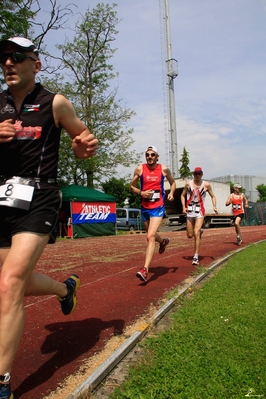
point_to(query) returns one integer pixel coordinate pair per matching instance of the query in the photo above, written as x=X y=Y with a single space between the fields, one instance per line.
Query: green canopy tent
x=91 y=213
x=255 y=214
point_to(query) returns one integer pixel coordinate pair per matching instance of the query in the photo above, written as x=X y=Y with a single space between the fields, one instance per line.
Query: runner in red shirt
x=237 y=200
x=151 y=176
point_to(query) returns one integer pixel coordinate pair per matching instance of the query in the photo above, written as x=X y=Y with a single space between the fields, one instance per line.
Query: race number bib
x=17 y=192
x=195 y=208
x=155 y=196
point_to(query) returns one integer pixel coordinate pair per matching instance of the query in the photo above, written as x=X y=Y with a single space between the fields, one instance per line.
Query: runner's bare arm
x=246 y=200
x=183 y=198
x=84 y=144
x=136 y=176
x=133 y=188
x=209 y=190
x=228 y=201
x=171 y=180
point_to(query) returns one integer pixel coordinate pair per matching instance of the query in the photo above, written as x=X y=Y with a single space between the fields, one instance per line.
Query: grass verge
x=215 y=346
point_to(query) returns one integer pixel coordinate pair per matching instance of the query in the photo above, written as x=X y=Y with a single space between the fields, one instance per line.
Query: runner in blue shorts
x=146 y=214
x=151 y=175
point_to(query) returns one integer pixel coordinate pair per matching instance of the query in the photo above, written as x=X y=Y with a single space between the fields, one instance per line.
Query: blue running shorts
x=147 y=214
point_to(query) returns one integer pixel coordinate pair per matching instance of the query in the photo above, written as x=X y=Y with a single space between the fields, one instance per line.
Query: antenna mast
x=170 y=72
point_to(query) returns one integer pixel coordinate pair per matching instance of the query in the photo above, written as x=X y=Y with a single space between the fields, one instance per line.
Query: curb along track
x=97 y=377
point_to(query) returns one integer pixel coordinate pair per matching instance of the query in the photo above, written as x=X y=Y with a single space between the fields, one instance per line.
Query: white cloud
x=220 y=90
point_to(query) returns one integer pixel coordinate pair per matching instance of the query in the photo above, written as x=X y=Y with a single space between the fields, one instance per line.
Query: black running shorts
x=41 y=218
x=241 y=215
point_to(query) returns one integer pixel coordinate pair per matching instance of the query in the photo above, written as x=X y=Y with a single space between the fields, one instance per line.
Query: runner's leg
x=152 y=236
x=197 y=227
x=16 y=276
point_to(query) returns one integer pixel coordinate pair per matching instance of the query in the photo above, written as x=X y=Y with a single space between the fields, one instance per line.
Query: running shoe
x=5 y=392
x=239 y=240
x=195 y=261
x=142 y=274
x=69 y=302
x=163 y=245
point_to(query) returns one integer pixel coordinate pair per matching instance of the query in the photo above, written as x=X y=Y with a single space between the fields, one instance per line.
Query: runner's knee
x=150 y=237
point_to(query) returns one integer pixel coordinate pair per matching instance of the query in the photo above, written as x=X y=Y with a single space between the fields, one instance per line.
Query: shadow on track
x=67 y=341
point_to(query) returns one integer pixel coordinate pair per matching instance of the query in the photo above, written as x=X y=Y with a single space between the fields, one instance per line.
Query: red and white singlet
x=195 y=200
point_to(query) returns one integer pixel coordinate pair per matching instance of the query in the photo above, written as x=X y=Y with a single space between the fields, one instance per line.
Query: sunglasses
x=152 y=154
x=15 y=57
x=197 y=173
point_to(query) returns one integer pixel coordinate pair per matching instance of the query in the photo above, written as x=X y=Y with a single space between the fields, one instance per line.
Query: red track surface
x=110 y=298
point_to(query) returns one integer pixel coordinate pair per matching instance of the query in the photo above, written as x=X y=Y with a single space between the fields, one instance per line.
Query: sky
x=220 y=90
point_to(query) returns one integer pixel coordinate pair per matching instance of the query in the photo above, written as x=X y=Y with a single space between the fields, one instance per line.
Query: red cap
x=198 y=170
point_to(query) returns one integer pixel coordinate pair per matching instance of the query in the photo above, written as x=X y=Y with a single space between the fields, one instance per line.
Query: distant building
x=249 y=183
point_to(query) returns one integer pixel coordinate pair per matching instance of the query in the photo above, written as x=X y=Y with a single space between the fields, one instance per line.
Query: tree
x=231 y=186
x=87 y=71
x=261 y=188
x=15 y=17
x=120 y=189
x=184 y=170
x=86 y=82
x=243 y=190
x=20 y=18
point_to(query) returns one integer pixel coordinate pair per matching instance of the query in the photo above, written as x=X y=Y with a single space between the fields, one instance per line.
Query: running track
x=110 y=298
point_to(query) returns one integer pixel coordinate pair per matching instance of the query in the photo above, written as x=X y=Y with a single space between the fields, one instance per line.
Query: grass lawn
x=215 y=346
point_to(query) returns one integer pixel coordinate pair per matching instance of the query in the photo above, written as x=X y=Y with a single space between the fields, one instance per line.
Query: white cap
x=22 y=42
x=237 y=185
x=151 y=147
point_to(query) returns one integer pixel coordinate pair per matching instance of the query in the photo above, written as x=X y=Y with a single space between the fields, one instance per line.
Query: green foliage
x=231 y=186
x=120 y=189
x=73 y=169
x=88 y=73
x=261 y=188
x=15 y=16
x=20 y=18
x=135 y=200
x=242 y=190
x=86 y=82
x=215 y=346
x=184 y=170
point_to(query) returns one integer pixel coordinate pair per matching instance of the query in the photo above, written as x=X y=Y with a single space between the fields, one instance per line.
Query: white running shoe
x=195 y=261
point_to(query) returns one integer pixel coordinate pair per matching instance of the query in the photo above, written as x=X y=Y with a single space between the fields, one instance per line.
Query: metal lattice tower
x=170 y=72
